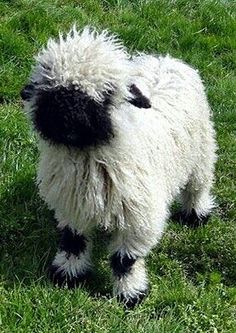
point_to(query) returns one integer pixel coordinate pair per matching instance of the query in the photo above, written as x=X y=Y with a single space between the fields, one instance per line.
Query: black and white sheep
x=120 y=138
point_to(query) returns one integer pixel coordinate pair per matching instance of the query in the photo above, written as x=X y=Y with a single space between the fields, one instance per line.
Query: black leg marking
x=131 y=302
x=72 y=242
x=61 y=279
x=191 y=220
x=121 y=265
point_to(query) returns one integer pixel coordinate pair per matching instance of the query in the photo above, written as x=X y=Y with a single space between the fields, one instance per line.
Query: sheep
x=120 y=138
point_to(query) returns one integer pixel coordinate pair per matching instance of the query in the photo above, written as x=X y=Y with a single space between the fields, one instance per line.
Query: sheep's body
x=127 y=186
x=153 y=156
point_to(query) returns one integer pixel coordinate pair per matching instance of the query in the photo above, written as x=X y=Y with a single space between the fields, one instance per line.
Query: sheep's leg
x=129 y=273
x=197 y=201
x=72 y=264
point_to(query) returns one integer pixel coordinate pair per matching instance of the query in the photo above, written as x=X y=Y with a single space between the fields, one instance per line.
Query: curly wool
x=92 y=61
x=152 y=157
x=161 y=150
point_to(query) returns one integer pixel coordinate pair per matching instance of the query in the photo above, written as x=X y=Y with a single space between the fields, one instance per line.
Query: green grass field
x=192 y=272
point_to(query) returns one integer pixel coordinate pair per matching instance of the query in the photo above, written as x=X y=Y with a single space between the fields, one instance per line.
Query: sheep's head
x=74 y=84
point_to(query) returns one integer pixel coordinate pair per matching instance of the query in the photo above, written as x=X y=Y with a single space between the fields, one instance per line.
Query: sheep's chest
x=79 y=189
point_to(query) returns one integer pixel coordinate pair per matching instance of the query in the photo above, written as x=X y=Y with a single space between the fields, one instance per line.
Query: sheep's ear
x=27 y=92
x=138 y=99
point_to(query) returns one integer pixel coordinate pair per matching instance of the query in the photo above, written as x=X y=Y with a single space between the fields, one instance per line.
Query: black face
x=68 y=116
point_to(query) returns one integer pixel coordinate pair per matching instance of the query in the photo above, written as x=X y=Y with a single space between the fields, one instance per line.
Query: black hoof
x=60 y=279
x=190 y=220
x=131 y=302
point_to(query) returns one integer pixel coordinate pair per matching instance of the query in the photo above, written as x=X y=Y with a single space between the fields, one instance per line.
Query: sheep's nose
x=68 y=116
x=73 y=137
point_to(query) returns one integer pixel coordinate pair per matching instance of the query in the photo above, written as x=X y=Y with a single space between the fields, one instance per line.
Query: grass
x=192 y=272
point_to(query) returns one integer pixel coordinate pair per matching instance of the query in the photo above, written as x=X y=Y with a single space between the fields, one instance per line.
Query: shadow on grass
x=27 y=232
x=203 y=255
x=28 y=239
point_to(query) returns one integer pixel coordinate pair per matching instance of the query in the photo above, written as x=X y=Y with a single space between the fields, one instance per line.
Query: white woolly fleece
x=72 y=265
x=155 y=155
x=93 y=62
x=133 y=284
